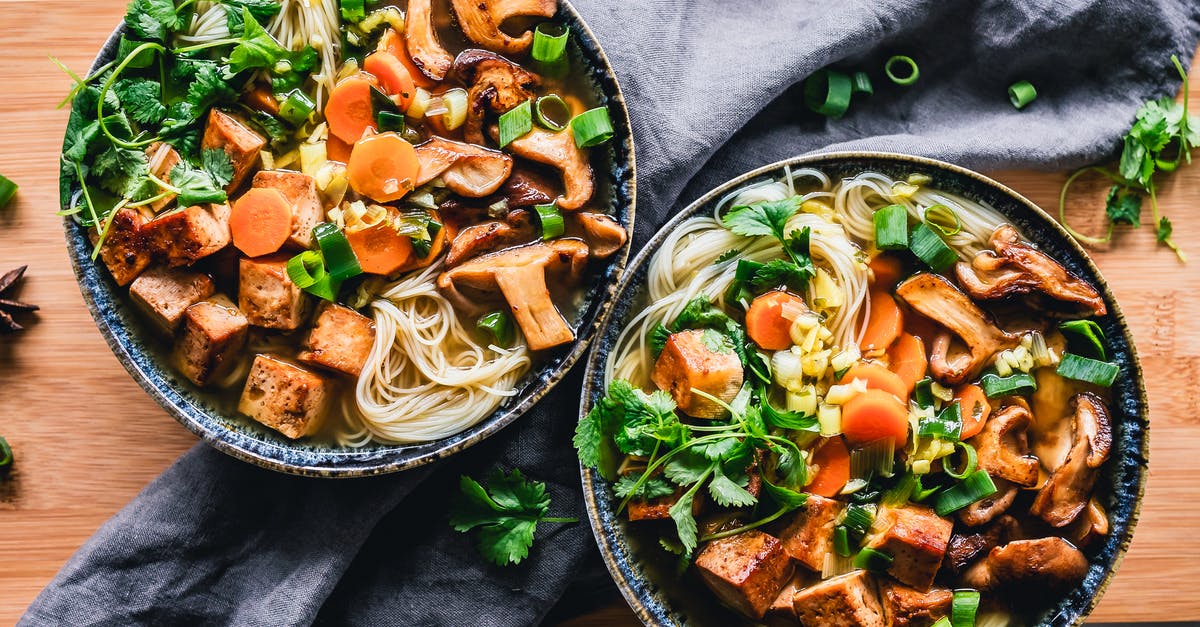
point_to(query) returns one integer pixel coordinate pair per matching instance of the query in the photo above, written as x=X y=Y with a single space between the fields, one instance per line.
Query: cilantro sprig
x=506 y=514
x=701 y=313
x=769 y=219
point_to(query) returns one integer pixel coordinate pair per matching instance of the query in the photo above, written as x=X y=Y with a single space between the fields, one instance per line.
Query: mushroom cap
x=558 y=150
x=1067 y=491
x=602 y=232
x=481 y=19
x=423 y=47
x=1042 y=566
x=467 y=169
x=1003 y=446
x=496 y=84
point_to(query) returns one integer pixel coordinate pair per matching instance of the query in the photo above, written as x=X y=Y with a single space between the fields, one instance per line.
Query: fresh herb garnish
x=769 y=218
x=507 y=513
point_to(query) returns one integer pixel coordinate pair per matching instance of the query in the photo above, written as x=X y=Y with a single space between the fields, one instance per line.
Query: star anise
x=7 y=306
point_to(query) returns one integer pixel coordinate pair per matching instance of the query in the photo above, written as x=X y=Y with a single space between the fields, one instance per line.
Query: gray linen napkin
x=712 y=91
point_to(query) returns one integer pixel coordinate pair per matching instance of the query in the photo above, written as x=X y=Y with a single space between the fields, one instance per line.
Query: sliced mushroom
x=481 y=19
x=526 y=188
x=1015 y=267
x=559 y=151
x=423 y=47
x=937 y=299
x=1043 y=566
x=486 y=237
x=964 y=549
x=467 y=170
x=520 y=274
x=1069 y=488
x=987 y=509
x=1003 y=446
x=497 y=84
x=603 y=234
x=1091 y=524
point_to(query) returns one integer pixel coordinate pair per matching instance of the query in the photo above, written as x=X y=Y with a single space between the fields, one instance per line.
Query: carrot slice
x=878 y=378
x=260 y=221
x=885 y=324
x=888 y=270
x=975 y=409
x=833 y=468
x=874 y=415
x=380 y=248
x=382 y=167
x=393 y=43
x=349 y=111
x=766 y=323
x=393 y=77
x=907 y=359
x=338 y=150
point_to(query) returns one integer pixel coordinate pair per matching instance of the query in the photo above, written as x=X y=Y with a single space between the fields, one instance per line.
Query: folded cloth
x=712 y=89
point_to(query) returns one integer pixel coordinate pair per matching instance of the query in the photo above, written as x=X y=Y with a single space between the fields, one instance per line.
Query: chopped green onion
x=910 y=76
x=862 y=84
x=6 y=456
x=921 y=493
x=876 y=458
x=872 y=560
x=499 y=325
x=423 y=242
x=389 y=121
x=1101 y=373
x=900 y=493
x=976 y=486
x=970 y=457
x=8 y=189
x=923 y=393
x=296 y=107
x=858 y=518
x=353 y=11
x=930 y=248
x=841 y=541
x=306 y=269
x=1090 y=333
x=942 y=622
x=943 y=219
x=947 y=425
x=551 y=219
x=592 y=127
x=1021 y=93
x=828 y=92
x=340 y=261
x=515 y=122
x=381 y=102
x=891 y=228
x=143 y=58
x=995 y=385
x=963 y=607
x=549 y=42
x=550 y=110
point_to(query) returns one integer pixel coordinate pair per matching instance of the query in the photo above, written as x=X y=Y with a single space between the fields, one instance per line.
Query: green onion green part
x=549 y=42
x=592 y=127
x=1101 y=373
x=942 y=622
x=1087 y=334
x=340 y=261
x=891 y=228
x=499 y=325
x=910 y=75
x=861 y=84
x=6 y=456
x=963 y=607
x=899 y=494
x=552 y=112
x=515 y=123
x=975 y=486
x=828 y=92
x=841 y=541
x=947 y=425
x=353 y=11
x=296 y=107
x=970 y=456
x=930 y=248
x=389 y=121
x=923 y=393
x=1021 y=93
x=306 y=269
x=943 y=219
x=872 y=560
x=8 y=189
x=551 y=219
x=858 y=518
x=995 y=385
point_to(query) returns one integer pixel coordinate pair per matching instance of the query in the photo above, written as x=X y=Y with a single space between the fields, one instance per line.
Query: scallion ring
x=828 y=92
x=549 y=110
x=963 y=606
x=306 y=269
x=862 y=83
x=8 y=189
x=515 y=123
x=340 y=261
x=943 y=219
x=913 y=74
x=592 y=127
x=1021 y=93
x=549 y=42
x=552 y=221
x=969 y=456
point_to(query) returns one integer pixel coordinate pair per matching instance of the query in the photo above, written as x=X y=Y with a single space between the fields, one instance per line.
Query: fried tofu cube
x=808 y=538
x=213 y=335
x=301 y=192
x=745 y=571
x=916 y=538
x=227 y=133
x=699 y=359
x=125 y=252
x=340 y=340
x=163 y=294
x=163 y=159
x=844 y=601
x=905 y=607
x=660 y=508
x=781 y=613
x=285 y=397
x=267 y=295
x=184 y=236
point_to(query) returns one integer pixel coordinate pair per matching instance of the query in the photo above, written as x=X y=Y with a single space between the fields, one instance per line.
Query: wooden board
x=88 y=439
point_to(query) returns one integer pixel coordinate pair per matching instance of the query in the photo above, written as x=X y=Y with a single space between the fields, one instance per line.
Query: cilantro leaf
x=195 y=186
x=782 y=419
x=658 y=339
x=685 y=523
x=506 y=518
x=650 y=489
x=728 y=255
x=1123 y=206
x=181 y=130
x=779 y=273
x=120 y=169
x=762 y=218
x=80 y=137
x=141 y=99
x=256 y=47
x=786 y=497
x=1164 y=229
x=688 y=467
x=589 y=437
x=727 y=492
x=208 y=87
x=716 y=342
x=507 y=541
x=217 y=164
x=152 y=19
x=260 y=9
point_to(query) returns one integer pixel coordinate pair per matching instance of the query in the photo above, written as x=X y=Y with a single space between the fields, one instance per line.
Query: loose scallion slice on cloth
x=828 y=92
x=862 y=84
x=906 y=76
x=891 y=228
x=515 y=123
x=551 y=219
x=1101 y=373
x=1021 y=93
x=592 y=127
x=549 y=42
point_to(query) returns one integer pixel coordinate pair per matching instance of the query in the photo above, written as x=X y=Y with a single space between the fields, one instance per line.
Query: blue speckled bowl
x=143 y=354
x=645 y=574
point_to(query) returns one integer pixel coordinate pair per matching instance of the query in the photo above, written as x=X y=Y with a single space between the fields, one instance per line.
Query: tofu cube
x=301 y=192
x=163 y=294
x=267 y=296
x=163 y=159
x=285 y=397
x=701 y=360
x=184 y=236
x=781 y=613
x=843 y=601
x=905 y=607
x=660 y=508
x=125 y=252
x=225 y=132
x=340 y=340
x=808 y=538
x=916 y=538
x=213 y=336
x=746 y=571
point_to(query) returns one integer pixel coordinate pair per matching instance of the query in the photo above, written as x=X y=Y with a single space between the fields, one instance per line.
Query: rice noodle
x=315 y=23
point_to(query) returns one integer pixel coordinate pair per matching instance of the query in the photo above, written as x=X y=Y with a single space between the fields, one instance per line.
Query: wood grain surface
x=88 y=439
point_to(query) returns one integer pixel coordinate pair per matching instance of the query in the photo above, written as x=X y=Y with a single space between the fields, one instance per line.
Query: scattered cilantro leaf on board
x=506 y=514
x=1123 y=206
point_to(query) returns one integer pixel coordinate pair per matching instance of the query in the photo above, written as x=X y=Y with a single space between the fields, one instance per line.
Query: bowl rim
x=390 y=458
x=591 y=481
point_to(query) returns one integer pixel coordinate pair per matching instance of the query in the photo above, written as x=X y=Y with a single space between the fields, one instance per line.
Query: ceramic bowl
x=142 y=353
x=645 y=573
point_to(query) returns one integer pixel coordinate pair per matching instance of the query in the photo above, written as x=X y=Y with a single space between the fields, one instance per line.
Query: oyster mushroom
x=486 y=237
x=1044 y=566
x=559 y=151
x=1003 y=446
x=937 y=299
x=520 y=275
x=423 y=47
x=497 y=84
x=1014 y=267
x=1067 y=491
x=467 y=170
x=481 y=19
x=987 y=509
x=603 y=234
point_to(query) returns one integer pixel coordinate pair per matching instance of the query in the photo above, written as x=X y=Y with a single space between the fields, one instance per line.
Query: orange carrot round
x=885 y=324
x=349 y=111
x=878 y=378
x=887 y=269
x=393 y=43
x=973 y=404
x=833 y=468
x=907 y=359
x=260 y=221
x=765 y=321
x=382 y=167
x=874 y=415
x=393 y=77
x=380 y=248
